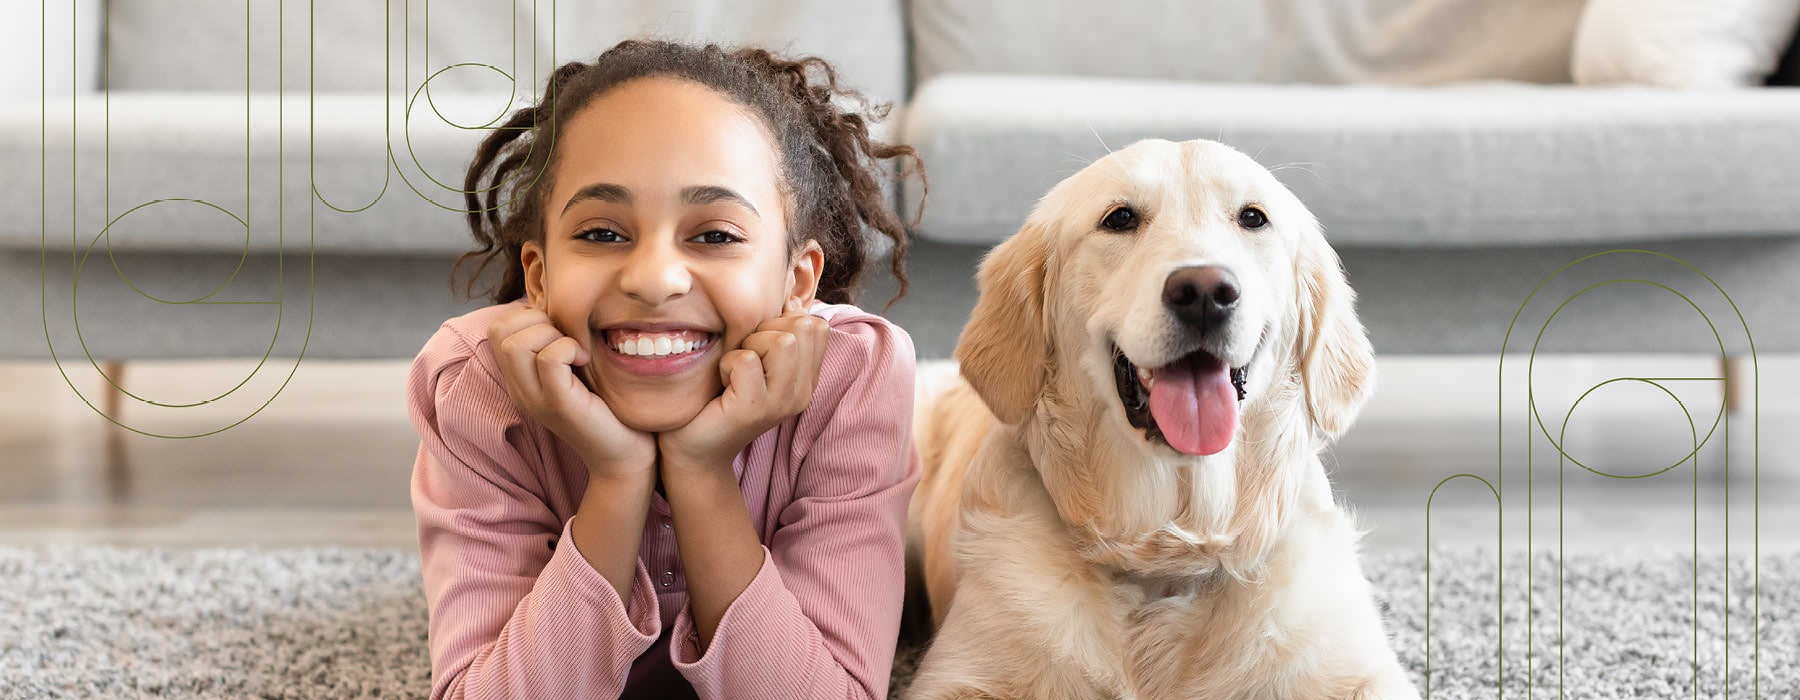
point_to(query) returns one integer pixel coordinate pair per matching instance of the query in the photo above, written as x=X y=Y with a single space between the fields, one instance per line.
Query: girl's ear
x=531 y=257
x=803 y=275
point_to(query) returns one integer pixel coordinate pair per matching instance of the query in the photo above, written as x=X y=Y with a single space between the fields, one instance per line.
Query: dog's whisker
x=1077 y=158
x=1301 y=166
x=1102 y=141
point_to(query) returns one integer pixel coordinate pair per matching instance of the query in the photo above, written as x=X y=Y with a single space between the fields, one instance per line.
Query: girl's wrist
x=681 y=467
x=671 y=458
x=611 y=486
x=701 y=488
x=611 y=470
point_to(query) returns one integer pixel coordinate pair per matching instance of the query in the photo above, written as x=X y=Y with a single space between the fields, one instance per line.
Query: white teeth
x=1146 y=377
x=659 y=346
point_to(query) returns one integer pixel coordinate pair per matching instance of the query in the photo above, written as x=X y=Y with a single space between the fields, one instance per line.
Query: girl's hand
x=535 y=364
x=770 y=377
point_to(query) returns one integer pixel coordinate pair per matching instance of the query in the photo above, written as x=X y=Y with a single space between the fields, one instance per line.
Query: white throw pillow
x=1682 y=43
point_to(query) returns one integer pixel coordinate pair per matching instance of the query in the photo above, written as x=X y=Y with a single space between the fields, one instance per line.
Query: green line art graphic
x=1497 y=488
x=391 y=165
x=105 y=232
x=424 y=88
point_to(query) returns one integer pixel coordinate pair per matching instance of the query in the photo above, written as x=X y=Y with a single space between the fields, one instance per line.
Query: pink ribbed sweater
x=516 y=611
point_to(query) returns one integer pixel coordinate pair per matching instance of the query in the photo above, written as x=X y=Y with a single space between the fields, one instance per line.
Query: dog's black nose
x=1201 y=296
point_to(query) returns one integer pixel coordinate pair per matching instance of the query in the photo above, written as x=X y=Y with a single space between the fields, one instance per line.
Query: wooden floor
x=227 y=453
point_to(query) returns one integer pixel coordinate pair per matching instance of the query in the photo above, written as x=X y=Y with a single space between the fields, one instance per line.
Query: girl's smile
x=657 y=349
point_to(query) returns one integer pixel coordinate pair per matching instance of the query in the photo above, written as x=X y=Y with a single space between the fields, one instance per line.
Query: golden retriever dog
x=1123 y=496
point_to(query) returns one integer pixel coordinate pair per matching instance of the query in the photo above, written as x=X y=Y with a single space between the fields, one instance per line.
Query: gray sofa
x=1439 y=141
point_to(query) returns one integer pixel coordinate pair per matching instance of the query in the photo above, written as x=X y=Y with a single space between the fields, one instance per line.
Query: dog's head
x=1181 y=279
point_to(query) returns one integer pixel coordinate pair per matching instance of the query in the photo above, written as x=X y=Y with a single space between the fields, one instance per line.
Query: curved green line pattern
x=78 y=262
x=1498 y=490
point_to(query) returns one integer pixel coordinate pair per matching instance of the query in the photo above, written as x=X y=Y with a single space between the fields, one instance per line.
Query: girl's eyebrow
x=707 y=194
x=604 y=191
x=696 y=195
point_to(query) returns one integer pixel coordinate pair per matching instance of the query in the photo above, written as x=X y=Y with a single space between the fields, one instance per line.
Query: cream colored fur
x=1065 y=555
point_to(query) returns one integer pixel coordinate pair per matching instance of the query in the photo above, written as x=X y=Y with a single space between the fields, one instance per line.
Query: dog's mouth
x=1190 y=404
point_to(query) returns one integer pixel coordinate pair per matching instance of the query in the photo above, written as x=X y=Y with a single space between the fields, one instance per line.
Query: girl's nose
x=655 y=273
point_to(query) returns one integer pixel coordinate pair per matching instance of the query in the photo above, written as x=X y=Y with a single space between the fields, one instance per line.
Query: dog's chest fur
x=1166 y=637
x=1164 y=625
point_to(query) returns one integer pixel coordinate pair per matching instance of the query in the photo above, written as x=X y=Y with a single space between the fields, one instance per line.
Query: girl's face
x=665 y=244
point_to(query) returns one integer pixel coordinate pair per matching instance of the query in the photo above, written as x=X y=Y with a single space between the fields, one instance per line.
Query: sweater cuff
x=762 y=640
x=642 y=612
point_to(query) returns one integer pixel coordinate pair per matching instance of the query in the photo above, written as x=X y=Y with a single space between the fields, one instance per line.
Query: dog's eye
x=1252 y=218
x=1120 y=219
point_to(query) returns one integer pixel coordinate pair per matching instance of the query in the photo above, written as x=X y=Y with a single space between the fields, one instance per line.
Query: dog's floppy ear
x=1332 y=351
x=1003 y=349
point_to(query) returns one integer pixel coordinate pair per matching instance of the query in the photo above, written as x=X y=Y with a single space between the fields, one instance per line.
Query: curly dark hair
x=830 y=168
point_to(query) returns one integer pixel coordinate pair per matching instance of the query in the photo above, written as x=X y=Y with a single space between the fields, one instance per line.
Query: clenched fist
x=537 y=364
x=770 y=377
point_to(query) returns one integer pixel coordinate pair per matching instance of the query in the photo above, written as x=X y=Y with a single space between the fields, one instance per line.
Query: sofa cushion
x=383 y=187
x=1386 y=41
x=166 y=145
x=1489 y=163
x=199 y=44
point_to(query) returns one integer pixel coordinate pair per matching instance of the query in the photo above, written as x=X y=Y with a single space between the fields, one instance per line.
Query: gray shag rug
x=336 y=623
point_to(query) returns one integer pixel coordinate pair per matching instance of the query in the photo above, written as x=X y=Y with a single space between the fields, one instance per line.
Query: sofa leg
x=1731 y=368
x=117 y=467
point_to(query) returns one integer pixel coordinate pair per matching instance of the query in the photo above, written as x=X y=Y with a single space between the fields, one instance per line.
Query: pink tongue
x=1195 y=404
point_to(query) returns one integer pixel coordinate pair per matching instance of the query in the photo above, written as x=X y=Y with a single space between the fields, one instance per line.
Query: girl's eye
x=716 y=237
x=600 y=235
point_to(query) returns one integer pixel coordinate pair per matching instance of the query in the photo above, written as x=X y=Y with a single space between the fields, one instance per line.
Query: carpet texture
x=337 y=623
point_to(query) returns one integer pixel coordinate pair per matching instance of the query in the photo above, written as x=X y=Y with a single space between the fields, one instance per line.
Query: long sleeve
x=509 y=615
x=821 y=617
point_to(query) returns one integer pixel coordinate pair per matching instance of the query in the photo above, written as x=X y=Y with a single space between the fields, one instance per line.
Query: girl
x=671 y=460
